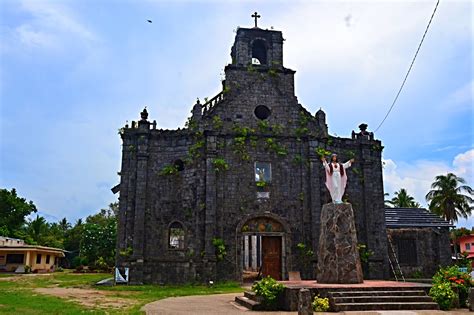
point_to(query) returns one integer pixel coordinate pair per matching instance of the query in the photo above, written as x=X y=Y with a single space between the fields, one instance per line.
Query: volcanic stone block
x=304 y=302
x=338 y=257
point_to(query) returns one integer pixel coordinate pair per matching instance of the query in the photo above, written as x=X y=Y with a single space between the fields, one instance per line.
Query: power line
x=409 y=69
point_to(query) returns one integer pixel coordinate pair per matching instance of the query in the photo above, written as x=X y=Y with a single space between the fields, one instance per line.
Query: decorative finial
x=363 y=127
x=144 y=114
x=256 y=16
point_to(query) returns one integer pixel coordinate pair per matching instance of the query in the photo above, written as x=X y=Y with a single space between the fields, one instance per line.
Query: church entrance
x=271 y=264
x=262 y=249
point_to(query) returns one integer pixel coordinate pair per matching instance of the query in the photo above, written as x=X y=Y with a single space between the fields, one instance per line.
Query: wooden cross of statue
x=256 y=16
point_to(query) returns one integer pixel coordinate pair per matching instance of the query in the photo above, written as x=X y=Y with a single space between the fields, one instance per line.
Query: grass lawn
x=19 y=296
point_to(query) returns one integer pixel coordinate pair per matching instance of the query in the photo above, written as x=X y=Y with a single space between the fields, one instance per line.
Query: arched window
x=176 y=236
x=179 y=165
x=259 y=52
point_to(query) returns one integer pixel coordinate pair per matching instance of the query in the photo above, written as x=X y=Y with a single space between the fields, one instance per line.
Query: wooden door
x=271 y=256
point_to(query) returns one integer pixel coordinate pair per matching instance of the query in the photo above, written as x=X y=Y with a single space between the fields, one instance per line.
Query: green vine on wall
x=169 y=169
x=276 y=147
x=220 y=248
x=322 y=153
x=220 y=165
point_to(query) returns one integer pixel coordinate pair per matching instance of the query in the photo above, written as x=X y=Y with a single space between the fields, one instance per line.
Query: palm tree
x=387 y=202
x=447 y=198
x=403 y=200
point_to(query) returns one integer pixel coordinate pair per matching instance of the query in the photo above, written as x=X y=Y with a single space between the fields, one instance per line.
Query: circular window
x=262 y=112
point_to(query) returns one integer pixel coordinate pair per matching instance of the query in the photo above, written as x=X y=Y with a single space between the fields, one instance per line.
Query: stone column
x=254 y=252
x=304 y=302
x=136 y=272
x=246 y=252
x=211 y=200
x=315 y=166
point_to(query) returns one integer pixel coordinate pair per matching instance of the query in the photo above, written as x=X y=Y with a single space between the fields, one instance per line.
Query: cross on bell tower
x=256 y=16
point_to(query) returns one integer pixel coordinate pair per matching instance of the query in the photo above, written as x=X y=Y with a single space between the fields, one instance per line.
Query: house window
x=263 y=172
x=38 y=258
x=176 y=236
x=15 y=258
x=468 y=246
x=407 y=252
x=47 y=259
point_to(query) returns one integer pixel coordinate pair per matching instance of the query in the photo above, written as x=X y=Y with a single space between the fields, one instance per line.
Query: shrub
x=269 y=289
x=443 y=294
x=458 y=281
x=27 y=269
x=320 y=304
x=219 y=245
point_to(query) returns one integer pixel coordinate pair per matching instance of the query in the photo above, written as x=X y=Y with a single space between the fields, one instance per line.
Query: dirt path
x=90 y=298
x=219 y=304
x=216 y=304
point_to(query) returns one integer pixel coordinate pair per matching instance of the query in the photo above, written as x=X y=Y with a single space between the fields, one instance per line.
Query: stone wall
x=213 y=204
x=432 y=249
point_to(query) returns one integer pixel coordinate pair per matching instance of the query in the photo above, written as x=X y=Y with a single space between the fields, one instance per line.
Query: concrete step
x=381 y=299
x=385 y=288
x=378 y=293
x=248 y=303
x=253 y=296
x=386 y=306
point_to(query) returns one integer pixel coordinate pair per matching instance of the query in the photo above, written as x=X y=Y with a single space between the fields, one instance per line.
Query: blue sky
x=72 y=73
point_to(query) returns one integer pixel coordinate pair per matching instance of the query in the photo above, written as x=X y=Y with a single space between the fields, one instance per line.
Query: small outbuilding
x=418 y=241
x=15 y=255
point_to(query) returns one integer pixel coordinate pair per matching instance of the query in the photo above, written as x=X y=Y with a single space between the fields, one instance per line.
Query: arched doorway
x=262 y=253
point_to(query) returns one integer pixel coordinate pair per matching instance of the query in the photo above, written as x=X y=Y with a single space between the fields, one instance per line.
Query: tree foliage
x=450 y=197
x=403 y=200
x=13 y=212
x=87 y=242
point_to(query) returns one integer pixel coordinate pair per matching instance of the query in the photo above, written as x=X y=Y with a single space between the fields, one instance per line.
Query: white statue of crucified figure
x=336 y=177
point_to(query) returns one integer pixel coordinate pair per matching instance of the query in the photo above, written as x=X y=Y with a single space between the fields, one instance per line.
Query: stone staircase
x=250 y=300
x=371 y=300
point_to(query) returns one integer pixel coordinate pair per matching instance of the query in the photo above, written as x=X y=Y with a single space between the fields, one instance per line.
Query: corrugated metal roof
x=413 y=217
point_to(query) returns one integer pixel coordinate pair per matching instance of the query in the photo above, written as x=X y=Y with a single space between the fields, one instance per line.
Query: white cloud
x=461 y=98
x=463 y=164
x=50 y=26
x=417 y=176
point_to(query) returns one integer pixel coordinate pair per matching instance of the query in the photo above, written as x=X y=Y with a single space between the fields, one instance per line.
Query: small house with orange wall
x=15 y=255
x=466 y=245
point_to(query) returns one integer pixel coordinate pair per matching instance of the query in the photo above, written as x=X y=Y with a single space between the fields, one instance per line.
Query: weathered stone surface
x=338 y=257
x=212 y=204
x=471 y=299
x=304 y=302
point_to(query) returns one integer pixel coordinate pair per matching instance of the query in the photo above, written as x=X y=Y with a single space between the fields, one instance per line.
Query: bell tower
x=259 y=47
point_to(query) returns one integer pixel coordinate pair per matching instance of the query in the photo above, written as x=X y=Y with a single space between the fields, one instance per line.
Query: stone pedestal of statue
x=338 y=256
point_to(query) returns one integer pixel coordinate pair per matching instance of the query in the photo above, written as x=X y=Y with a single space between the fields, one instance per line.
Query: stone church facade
x=241 y=187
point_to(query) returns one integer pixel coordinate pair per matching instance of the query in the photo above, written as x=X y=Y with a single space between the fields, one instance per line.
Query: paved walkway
x=223 y=304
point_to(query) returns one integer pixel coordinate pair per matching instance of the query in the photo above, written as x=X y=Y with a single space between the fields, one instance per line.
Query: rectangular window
x=15 y=258
x=38 y=258
x=407 y=252
x=47 y=259
x=263 y=172
x=468 y=246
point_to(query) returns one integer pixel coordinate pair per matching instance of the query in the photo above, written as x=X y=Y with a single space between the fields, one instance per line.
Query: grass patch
x=18 y=295
x=25 y=301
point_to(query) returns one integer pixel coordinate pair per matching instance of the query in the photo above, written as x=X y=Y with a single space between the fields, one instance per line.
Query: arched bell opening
x=259 y=52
